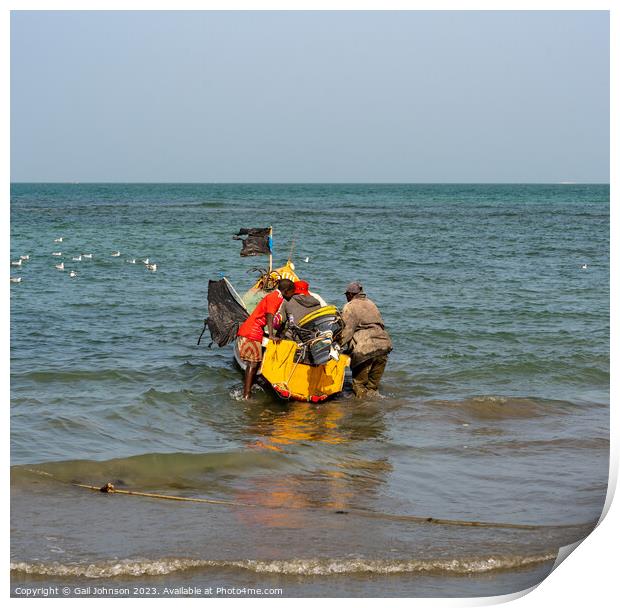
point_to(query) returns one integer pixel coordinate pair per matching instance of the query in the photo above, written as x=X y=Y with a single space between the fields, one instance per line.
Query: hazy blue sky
x=310 y=96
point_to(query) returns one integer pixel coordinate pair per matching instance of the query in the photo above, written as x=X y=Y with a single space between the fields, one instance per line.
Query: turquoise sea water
x=494 y=405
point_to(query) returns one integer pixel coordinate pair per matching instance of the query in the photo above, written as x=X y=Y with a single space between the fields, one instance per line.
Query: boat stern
x=292 y=379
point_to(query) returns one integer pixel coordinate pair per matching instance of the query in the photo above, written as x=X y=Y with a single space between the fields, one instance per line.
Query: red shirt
x=252 y=327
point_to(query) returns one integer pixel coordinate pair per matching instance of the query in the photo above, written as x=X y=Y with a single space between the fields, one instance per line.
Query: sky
x=215 y=96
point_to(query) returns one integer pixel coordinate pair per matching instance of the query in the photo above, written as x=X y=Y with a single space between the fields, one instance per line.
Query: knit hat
x=354 y=288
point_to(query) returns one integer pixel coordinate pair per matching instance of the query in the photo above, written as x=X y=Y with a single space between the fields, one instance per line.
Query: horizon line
x=379 y=183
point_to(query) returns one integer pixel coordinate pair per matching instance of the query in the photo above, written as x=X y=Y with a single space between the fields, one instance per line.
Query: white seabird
x=152 y=267
x=57 y=253
x=24 y=257
x=88 y=256
x=116 y=254
x=17 y=263
x=145 y=262
x=584 y=267
x=60 y=266
x=132 y=261
x=73 y=274
x=306 y=259
x=58 y=240
x=16 y=279
x=77 y=258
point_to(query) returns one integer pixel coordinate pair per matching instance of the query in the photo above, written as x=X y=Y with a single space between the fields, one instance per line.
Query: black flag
x=256 y=241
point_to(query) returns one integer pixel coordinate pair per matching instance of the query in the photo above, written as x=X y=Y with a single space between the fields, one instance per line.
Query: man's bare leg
x=248 y=380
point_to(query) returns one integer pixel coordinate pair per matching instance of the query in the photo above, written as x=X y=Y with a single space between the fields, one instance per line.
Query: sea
x=485 y=451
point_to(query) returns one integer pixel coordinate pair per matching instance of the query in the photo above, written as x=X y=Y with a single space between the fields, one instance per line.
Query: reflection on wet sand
x=300 y=422
x=335 y=422
x=327 y=439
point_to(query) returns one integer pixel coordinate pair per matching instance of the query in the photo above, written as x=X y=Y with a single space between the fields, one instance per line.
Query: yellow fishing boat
x=308 y=367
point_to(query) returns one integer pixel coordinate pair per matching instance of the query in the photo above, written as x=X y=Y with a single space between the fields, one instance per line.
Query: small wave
x=296 y=567
x=84 y=374
x=210 y=205
x=236 y=392
x=569 y=443
x=499 y=407
x=159 y=470
x=153 y=397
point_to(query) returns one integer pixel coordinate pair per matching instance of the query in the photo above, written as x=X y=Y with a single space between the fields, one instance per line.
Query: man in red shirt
x=250 y=334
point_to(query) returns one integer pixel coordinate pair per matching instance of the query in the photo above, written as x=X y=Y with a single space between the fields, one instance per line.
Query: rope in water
x=110 y=489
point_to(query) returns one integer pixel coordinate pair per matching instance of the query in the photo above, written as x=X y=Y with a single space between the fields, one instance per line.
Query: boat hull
x=293 y=380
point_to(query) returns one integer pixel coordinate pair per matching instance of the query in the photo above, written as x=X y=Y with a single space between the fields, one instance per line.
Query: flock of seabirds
x=77 y=258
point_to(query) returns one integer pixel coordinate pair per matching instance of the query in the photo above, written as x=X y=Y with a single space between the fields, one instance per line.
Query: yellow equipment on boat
x=292 y=379
x=321 y=312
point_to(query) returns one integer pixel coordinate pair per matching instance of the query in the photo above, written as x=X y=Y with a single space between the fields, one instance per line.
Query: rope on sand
x=110 y=489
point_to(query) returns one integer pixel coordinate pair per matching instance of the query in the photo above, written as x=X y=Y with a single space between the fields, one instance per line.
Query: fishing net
x=226 y=312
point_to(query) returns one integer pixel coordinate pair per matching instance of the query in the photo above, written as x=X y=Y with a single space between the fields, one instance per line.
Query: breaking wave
x=297 y=567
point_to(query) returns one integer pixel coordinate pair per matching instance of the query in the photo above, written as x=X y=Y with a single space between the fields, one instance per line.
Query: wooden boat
x=308 y=367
